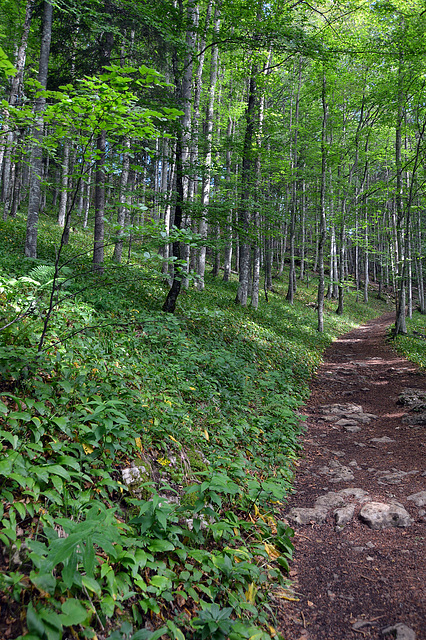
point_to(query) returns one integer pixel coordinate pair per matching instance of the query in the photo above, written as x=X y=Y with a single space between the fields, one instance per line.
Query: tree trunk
x=244 y=211
x=36 y=151
x=14 y=98
x=122 y=208
x=323 y=221
x=64 y=185
x=205 y=190
x=99 y=231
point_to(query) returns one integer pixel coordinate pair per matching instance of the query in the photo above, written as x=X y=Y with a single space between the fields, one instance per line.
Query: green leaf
x=174 y=632
x=160 y=545
x=108 y=606
x=58 y=470
x=145 y=634
x=91 y=584
x=44 y=581
x=73 y=613
x=34 y=624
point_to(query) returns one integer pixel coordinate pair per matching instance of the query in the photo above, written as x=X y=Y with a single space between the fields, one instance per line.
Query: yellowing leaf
x=206 y=435
x=87 y=448
x=285 y=595
x=272 y=630
x=192 y=388
x=271 y=551
x=256 y=510
x=251 y=593
x=172 y=438
x=138 y=442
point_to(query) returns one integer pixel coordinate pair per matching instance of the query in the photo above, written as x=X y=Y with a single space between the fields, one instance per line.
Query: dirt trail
x=352 y=580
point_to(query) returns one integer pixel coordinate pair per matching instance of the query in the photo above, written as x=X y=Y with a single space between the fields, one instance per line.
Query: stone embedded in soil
x=329 y=500
x=378 y=515
x=400 y=631
x=337 y=472
x=416 y=419
x=383 y=440
x=344 y=515
x=354 y=492
x=419 y=499
x=352 y=428
x=393 y=477
x=300 y=515
x=414 y=398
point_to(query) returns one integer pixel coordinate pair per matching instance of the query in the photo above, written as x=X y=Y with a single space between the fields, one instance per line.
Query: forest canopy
x=248 y=134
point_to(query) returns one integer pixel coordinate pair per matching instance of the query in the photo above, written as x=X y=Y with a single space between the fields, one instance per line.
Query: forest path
x=361 y=447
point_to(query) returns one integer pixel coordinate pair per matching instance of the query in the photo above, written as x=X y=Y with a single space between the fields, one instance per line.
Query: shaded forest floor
x=352 y=580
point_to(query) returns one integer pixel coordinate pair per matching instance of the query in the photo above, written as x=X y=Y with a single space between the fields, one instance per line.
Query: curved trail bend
x=359 y=567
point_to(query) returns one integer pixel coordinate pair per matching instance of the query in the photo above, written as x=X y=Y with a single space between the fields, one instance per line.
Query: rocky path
x=359 y=510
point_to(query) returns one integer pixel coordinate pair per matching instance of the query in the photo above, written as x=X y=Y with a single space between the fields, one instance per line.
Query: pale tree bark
x=100 y=174
x=64 y=184
x=303 y=231
x=36 y=152
x=246 y=177
x=323 y=220
x=122 y=207
x=400 y=324
x=99 y=230
x=14 y=97
x=254 y=302
x=294 y=168
x=206 y=183
x=183 y=148
x=227 y=264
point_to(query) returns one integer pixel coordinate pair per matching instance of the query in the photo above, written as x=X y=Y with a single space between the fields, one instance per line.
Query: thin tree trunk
x=323 y=221
x=99 y=231
x=64 y=185
x=205 y=192
x=36 y=152
x=122 y=208
x=244 y=212
x=183 y=149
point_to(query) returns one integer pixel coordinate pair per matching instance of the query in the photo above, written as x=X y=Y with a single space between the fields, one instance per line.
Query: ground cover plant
x=413 y=344
x=145 y=455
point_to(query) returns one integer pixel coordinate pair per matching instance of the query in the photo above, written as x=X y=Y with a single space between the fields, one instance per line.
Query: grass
x=144 y=455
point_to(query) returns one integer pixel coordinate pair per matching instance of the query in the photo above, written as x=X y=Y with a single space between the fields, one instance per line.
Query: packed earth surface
x=359 y=504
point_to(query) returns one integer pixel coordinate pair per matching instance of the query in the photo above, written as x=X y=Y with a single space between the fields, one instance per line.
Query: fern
x=44 y=274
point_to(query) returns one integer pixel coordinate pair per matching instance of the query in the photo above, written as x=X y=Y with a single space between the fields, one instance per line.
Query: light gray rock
x=419 y=499
x=394 y=477
x=329 y=500
x=339 y=472
x=400 y=631
x=354 y=492
x=346 y=422
x=383 y=440
x=378 y=515
x=300 y=515
x=353 y=428
x=344 y=515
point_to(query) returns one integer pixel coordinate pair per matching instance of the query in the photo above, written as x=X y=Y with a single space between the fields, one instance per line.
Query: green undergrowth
x=145 y=456
x=413 y=345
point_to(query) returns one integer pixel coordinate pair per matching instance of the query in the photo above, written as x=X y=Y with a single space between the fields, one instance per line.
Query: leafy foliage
x=200 y=409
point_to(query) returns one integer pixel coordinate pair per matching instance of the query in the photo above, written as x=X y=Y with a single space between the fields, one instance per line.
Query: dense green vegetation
x=202 y=405
x=413 y=345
